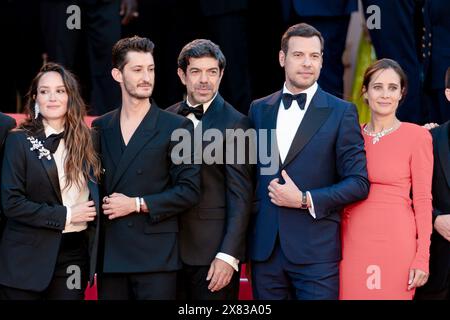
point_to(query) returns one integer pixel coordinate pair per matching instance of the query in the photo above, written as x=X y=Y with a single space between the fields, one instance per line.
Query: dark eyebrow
x=61 y=86
x=391 y=83
x=315 y=52
x=141 y=66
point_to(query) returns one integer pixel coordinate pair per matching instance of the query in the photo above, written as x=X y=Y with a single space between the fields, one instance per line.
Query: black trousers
x=441 y=295
x=137 y=286
x=72 y=262
x=192 y=285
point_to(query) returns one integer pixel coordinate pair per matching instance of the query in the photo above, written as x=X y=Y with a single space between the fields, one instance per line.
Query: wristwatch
x=304 y=204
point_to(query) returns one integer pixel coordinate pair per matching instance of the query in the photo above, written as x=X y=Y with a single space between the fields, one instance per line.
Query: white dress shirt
x=72 y=195
x=191 y=116
x=220 y=255
x=288 y=122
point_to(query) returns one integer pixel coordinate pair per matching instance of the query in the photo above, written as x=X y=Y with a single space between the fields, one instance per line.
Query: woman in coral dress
x=386 y=238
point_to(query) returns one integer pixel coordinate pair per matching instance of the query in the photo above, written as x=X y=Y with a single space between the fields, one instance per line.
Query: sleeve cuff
x=311 y=210
x=68 y=215
x=232 y=261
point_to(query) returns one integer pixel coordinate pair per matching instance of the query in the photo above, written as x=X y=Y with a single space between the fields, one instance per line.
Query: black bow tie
x=197 y=111
x=51 y=143
x=288 y=98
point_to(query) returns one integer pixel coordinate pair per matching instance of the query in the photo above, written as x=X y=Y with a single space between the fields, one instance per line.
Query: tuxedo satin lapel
x=213 y=113
x=52 y=172
x=317 y=113
x=444 y=152
x=142 y=136
x=212 y=118
x=112 y=138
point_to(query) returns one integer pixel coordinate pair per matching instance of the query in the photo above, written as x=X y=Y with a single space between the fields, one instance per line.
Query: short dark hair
x=384 y=64
x=125 y=45
x=300 y=30
x=200 y=48
x=447 y=78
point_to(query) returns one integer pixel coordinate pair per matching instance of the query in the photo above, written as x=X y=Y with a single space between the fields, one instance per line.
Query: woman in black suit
x=49 y=195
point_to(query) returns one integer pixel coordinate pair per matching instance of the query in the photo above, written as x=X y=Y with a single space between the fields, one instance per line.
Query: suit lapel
x=269 y=122
x=211 y=118
x=444 y=151
x=318 y=111
x=113 y=139
x=143 y=134
x=52 y=172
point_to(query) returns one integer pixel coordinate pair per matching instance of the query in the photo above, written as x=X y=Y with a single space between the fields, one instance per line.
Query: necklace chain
x=378 y=135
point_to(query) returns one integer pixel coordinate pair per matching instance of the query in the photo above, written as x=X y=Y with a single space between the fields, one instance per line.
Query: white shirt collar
x=49 y=129
x=310 y=92
x=205 y=105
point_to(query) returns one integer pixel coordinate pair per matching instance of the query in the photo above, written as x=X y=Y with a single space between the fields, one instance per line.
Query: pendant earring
x=36 y=110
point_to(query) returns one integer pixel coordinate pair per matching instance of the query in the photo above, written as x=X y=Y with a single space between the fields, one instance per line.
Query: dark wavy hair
x=200 y=48
x=125 y=45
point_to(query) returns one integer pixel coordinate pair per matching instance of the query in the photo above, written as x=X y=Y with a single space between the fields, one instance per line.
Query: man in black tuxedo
x=145 y=190
x=213 y=234
x=6 y=124
x=438 y=285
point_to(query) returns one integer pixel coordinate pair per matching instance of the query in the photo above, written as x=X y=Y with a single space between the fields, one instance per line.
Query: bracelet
x=138 y=204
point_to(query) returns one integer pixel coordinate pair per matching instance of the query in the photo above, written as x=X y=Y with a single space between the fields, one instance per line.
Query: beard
x=132 y=90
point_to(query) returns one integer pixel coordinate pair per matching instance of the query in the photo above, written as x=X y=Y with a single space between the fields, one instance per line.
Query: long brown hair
x=81 y=158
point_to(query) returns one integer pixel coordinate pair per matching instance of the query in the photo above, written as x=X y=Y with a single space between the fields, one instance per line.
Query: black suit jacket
x=440 y=248
x=35 y=217
x=141 y=242
x=219 y=222
x=6 y=124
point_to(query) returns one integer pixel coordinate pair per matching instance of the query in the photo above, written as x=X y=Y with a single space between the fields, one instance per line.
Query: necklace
x=378 y=135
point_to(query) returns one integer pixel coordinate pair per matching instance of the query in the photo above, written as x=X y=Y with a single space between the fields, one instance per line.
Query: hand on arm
x=286 y=195
x=83 y=212
x=118 y=205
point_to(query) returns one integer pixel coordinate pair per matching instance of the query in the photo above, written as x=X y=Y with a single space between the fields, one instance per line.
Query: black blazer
x=35 y=217
x=440 y=248
x=219 y=222
x=142 y=242
x=6 y=124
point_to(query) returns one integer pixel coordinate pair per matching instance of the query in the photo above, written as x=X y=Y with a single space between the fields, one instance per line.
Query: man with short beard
x=143 y=189
x=294 y=238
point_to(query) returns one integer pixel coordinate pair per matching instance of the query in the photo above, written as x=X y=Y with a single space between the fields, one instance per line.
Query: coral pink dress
x=388 y=233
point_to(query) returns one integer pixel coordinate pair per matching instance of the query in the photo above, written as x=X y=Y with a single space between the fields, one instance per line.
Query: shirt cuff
x=232 y=261
x=311 y=210
x=69 y=215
